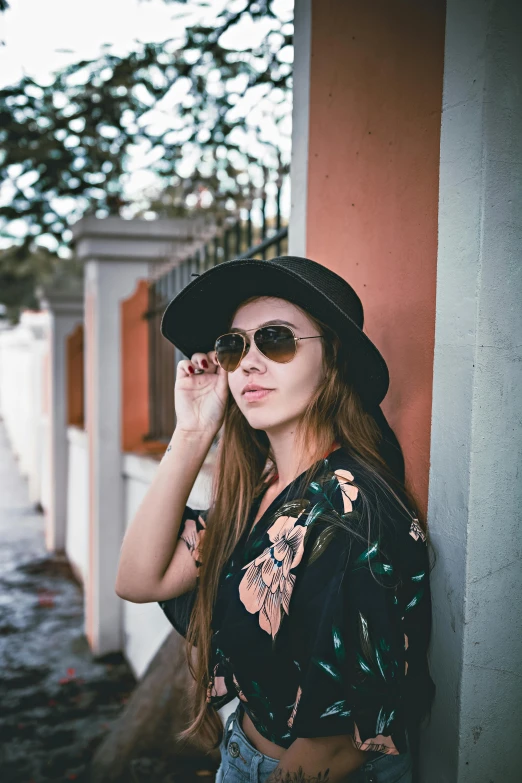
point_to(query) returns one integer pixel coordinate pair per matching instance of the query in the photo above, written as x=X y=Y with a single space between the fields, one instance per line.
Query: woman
x=304 y=589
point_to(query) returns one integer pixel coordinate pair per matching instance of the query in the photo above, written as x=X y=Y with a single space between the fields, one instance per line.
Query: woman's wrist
x=197 y=441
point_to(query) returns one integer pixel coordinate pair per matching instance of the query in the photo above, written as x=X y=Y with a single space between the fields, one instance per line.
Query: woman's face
x=292 y=384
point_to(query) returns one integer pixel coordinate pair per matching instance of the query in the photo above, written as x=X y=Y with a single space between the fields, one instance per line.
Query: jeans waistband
x=235 y=742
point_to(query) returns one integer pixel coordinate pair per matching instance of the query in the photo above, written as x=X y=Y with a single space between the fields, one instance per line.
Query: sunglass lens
x=276 y=343
x=229 y=348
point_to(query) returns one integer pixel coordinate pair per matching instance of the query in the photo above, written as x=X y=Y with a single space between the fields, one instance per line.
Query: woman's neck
x=289 y=465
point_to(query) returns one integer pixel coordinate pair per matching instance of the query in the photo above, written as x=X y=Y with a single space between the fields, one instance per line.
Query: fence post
x=117 y=254
x=64 y=301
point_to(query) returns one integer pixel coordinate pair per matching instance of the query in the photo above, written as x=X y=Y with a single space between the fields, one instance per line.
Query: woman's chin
x=269 y=422
x=260 y=422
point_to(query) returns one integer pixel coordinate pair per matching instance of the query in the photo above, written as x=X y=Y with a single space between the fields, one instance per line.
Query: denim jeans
x=242 y=763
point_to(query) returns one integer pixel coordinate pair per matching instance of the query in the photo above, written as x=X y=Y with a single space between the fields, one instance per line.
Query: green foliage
x=66 y=144
x=21 y=270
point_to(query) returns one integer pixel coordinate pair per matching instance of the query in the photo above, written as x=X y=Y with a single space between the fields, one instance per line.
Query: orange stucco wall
x=75 y=374
x=135 y=368
x=372 y=202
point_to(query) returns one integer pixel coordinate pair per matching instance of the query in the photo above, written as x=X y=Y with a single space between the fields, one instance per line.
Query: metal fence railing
x=242 y=239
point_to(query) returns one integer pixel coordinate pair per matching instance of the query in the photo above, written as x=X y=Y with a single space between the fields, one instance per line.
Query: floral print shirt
x=316 y=631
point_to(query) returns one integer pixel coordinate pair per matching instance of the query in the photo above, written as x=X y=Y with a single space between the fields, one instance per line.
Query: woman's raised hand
x=199 y=397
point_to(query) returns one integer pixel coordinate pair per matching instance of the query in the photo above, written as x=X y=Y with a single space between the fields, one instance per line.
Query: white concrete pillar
x=116 y=253
x=475 y=496
x=38 y=324
x=300 y=127
x=64 y=301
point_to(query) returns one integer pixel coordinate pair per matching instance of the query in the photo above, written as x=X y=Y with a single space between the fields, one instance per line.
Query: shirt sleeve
x=191 y=530
x=375 y=610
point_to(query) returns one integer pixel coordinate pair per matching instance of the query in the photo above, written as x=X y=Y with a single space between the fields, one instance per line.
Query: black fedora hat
x=202 y=311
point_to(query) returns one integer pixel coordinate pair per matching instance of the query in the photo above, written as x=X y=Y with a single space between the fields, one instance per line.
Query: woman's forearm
x=151 y=538
x=324 y=759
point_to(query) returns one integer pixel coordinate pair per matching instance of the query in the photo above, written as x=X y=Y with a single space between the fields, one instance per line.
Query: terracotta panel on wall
x=135 y=368
x=75 y=372
x=375 y=113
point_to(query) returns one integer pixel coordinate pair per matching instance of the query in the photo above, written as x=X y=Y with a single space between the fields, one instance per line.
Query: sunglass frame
x=256 y=330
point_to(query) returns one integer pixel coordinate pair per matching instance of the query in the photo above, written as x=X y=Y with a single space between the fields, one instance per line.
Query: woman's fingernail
x=191 y=369
x=204 y=363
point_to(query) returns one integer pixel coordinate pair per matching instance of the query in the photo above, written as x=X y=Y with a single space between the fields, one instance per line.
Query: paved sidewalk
x=56 y=702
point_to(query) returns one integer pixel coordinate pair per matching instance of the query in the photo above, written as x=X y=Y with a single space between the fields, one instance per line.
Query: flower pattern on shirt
x=294 y=710
x=381 y=743
x=216 y=685
x=416 y=531
x=348 y=490
x=237 y=686
x=193 y=537
x=267 y=584
x=352 y=646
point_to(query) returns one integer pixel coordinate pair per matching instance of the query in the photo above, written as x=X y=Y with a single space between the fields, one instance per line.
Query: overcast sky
x=43 y=35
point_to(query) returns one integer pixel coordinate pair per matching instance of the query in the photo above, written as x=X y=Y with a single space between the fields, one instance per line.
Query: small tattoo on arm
x=169 y=447
x=280 y=776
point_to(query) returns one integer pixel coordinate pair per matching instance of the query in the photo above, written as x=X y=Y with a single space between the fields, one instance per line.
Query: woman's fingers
x=203 y=361
x=185 y=367
x=200 y=362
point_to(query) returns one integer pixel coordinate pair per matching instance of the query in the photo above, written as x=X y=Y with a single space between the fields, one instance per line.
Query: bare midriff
x=259 y=742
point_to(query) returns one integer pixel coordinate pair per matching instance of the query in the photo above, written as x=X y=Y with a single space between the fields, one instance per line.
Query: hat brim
x=202 y=311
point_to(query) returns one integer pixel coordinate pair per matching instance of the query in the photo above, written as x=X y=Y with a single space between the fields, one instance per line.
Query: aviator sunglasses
x=278 y=343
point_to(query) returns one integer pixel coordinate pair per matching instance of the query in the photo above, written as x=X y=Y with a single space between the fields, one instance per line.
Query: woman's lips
x=258 y=394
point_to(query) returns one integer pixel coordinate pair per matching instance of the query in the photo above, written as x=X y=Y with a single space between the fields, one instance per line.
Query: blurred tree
x=21 y=270
x=66 y=145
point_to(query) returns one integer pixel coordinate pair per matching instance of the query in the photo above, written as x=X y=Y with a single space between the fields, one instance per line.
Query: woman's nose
x=252 y=354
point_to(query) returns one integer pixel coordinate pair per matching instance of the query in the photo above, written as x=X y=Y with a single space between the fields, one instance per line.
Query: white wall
x=77 y=532
x=21 y=366
x=475 y=496
x=145 y=627
x=45 y=463
x=39 y=453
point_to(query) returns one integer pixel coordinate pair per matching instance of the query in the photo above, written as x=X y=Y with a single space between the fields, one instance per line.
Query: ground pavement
x=56 y=702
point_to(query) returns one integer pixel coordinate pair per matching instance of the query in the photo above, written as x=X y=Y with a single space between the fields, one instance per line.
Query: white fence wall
x=145 y=627
x=45 y=467
x=77 y=533
x=22 y=350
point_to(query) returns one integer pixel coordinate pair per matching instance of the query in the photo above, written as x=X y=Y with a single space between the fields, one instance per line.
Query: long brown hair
x=244 y=457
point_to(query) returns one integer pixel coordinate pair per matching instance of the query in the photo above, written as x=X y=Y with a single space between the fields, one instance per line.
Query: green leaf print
x=383 y=721
x=415 y=600
x=327 y=668
x=340 y=652
x=317 y=511
x=382 y=568
x=321 y=543
x=366 y=645
x=315 y=488
x=292 y=508
x=384 y=646
x=380 y=663
x=338 y=708
x=330 y=485
x=369 y=553
x=364 y=666
x=257 y=696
